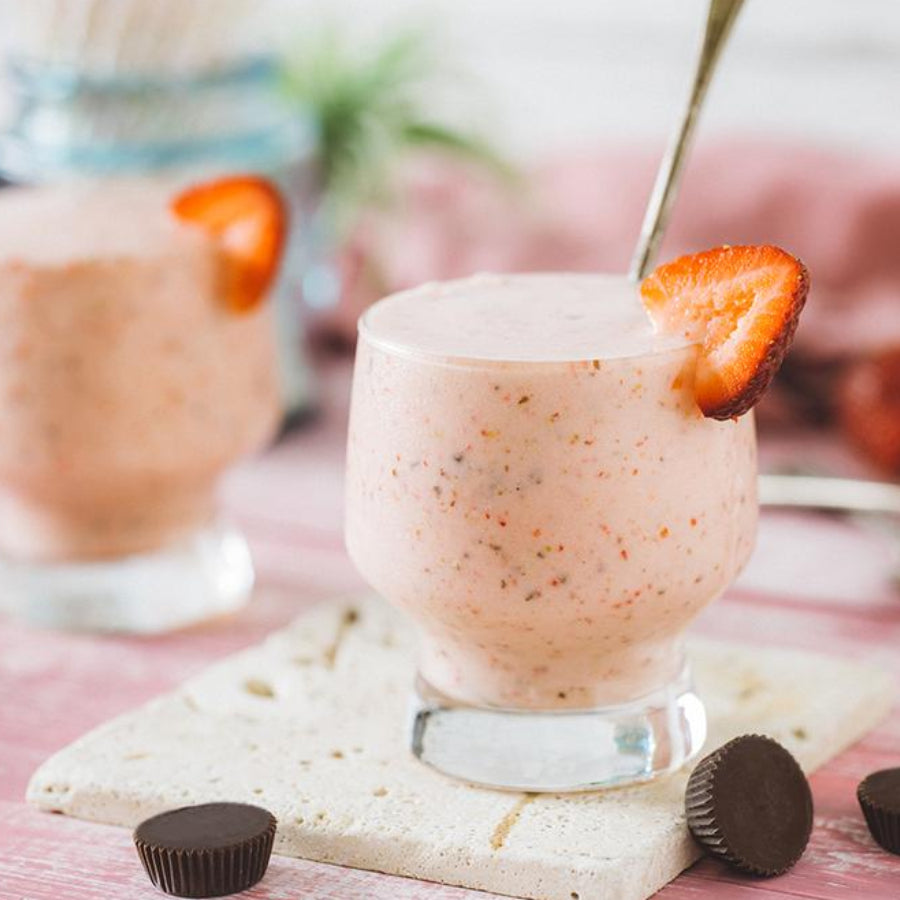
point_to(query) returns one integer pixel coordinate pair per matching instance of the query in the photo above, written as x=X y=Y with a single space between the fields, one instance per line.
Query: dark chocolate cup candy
x=206 y=851
x=749 y=804
x=879 y=798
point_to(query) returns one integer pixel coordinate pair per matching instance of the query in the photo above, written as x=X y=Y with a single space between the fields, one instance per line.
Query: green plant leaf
x=373 y=107
x=457 y=143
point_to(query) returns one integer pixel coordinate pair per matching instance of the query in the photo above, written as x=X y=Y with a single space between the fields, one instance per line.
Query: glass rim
x=460 y=361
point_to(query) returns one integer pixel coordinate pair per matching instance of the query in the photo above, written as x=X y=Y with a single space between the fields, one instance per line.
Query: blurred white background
x=554 y=75
x=558 y=74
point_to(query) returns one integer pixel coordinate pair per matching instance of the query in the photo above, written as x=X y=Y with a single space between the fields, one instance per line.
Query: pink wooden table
x=53 y=687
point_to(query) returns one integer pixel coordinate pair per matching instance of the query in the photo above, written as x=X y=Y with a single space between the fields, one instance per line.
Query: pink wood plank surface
x=53 y=687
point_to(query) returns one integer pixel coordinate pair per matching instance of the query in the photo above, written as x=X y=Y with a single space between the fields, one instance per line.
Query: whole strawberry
x=869 y=408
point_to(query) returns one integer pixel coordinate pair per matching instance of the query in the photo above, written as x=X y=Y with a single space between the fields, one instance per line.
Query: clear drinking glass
x=530 y=480
x=128 y=389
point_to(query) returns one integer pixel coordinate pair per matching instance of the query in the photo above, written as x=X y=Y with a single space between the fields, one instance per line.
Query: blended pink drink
x=127 y=386
x=531 y=480
x=130 y=383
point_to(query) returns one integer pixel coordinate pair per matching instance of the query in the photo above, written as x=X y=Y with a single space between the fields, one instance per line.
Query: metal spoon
x=842 y=495
x=876 y=503
x=719 y=19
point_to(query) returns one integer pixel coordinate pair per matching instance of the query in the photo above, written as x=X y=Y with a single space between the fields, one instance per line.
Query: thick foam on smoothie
x=60 y=225
x=513 y=318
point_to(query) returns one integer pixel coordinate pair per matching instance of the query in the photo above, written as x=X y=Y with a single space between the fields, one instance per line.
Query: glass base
x=568 y=750
x=206 y=575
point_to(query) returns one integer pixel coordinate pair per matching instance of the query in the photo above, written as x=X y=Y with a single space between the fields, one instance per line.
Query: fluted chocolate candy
x=206 y=851
x=749 y=804
x=879 y=799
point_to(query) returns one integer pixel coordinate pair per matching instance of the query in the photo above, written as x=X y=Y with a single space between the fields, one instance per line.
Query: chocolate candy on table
x=879 y=798
x=206 y=851
x=749 y=804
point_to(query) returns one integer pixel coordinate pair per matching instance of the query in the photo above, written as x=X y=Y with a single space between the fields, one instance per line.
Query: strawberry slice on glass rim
x=741 y=305
x=247 y=217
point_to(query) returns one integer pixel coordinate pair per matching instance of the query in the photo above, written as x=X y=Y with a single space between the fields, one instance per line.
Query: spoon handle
x=844 y=495
x=720 y=18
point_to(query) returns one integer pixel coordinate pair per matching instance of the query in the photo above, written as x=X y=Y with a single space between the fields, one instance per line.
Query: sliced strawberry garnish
x=741 y=304
x=247 y=216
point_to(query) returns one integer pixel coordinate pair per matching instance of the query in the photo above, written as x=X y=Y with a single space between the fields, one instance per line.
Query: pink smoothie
x=530 y=479
x=126 y=385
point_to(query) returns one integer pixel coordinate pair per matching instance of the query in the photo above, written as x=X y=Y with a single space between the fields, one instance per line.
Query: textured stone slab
x=310 y=725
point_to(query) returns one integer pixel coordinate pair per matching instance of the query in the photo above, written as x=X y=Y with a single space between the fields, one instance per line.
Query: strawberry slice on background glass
x=248 y=218
x=741 y=305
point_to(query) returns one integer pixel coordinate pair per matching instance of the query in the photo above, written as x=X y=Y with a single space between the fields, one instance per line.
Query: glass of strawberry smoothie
x=531 y=480
x=129 y=382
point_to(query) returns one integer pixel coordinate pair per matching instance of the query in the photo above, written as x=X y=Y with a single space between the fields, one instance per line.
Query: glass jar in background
x=68 y=125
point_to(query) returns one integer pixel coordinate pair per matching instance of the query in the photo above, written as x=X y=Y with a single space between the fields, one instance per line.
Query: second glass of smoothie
x=530 y=479
x=128 y=388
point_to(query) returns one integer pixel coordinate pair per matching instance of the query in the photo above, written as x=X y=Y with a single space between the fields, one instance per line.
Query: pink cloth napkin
x=839 y=212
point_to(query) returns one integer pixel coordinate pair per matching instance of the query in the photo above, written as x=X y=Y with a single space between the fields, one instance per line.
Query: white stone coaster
x=310 y=724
